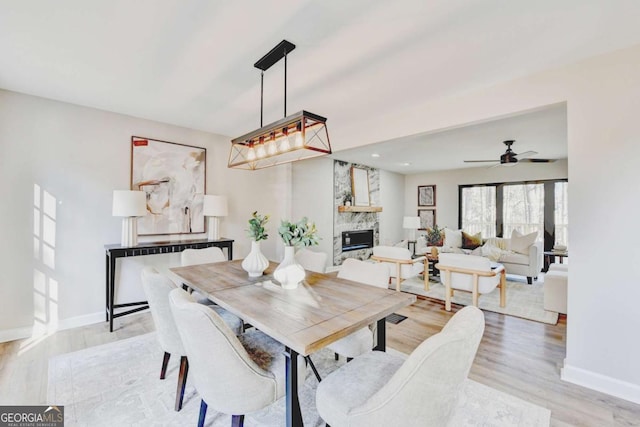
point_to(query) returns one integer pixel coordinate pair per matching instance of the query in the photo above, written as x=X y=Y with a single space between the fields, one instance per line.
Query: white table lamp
x=411 y=223
x=129 y=205
x=215 y=207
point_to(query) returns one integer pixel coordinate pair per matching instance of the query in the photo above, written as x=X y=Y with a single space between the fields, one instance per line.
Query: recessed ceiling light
x=375 y=155
x=406 y=164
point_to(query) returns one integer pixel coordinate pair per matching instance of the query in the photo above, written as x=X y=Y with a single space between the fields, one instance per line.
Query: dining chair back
x=232 y=376
x=311 y=260
x=383 y=389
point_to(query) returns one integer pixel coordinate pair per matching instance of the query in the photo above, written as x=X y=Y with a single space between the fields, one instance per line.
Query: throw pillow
x=520 y=243
x=435 y=236
x=470 y=241
x=452 y=238
x=492 y=252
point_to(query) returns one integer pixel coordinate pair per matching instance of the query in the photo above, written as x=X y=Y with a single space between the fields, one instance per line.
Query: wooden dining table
x=323 y=309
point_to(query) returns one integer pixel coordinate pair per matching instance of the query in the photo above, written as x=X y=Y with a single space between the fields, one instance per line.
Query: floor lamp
x=215 y=207
x=129 y=205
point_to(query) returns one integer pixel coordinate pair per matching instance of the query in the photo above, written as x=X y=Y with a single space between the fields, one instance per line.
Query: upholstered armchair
x=233 y=375
x=380 y=389
x=157 y=287
x=311 y=260
x=471 y=273
x=401 y=265
x=373 y=274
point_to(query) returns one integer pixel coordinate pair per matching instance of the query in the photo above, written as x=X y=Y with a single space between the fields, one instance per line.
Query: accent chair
x=401 y=265
x=471 y=273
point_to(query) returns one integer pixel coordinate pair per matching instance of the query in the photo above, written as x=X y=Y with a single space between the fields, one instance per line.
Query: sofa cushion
x=521 y=243
x=452 y=238
x=492 y=252
x=471 y=241
x=514 y=258
x=499 y=242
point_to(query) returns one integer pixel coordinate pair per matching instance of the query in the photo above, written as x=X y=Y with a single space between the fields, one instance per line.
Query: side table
x=115 y=251
x=550 y=257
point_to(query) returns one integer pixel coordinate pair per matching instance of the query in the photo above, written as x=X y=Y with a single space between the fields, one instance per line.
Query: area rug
x=525 y=301
x=117 y=384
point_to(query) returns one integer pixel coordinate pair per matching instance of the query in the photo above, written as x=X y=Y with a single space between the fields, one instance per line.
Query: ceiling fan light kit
x=509 y=158
x=299 y=136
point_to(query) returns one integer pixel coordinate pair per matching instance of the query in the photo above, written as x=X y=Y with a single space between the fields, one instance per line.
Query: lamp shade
x=128 y=203
x=411 y=222
x=215 y=206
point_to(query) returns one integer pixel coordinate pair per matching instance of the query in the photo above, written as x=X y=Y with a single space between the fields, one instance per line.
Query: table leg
x=381 y=331
x=112 y=286
x=106 y=287
x=294 y=415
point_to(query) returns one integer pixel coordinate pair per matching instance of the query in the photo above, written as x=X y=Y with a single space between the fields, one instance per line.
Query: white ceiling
x=543 y=131
x=190 y=63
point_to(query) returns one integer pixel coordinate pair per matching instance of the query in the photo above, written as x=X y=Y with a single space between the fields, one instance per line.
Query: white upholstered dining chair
x=201 y=256
x=471 y=273
x=368 y=273
x=311 y=260
x=157 y=287
x=233 y=375
x=382 y=389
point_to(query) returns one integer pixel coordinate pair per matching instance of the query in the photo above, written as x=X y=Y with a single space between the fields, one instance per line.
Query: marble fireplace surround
x=352 y=221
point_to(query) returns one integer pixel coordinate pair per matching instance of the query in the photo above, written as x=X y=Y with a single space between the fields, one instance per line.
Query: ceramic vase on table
x=289 y=273
x=255 y=263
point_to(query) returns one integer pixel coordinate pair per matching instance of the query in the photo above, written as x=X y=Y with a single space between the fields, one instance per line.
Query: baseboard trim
x=29 y=331
x=16 y=334
x=86 y=319
x=612 y=386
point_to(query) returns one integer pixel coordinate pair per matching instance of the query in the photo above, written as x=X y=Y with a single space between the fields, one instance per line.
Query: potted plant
x=255 y=263
x=289 y=273
x=435 y=236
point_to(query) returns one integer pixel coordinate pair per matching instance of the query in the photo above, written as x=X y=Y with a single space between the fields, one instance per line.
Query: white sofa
x=528 y=265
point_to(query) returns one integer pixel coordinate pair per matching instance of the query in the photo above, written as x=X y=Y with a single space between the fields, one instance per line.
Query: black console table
x=116 y=251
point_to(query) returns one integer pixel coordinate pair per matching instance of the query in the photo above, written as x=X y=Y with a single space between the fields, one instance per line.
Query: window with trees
x=479 y=210
x=497 y=209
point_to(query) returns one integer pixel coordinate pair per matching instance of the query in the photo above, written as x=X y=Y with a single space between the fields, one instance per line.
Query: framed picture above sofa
x=426 y=195
x=427 y=218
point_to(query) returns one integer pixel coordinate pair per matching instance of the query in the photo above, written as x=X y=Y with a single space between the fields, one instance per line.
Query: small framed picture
x=426 y=195
x=427 y=218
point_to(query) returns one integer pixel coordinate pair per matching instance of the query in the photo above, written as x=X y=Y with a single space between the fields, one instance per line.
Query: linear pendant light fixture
x=296 y=137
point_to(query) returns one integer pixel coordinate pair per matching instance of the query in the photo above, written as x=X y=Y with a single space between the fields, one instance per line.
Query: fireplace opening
x=357 y=239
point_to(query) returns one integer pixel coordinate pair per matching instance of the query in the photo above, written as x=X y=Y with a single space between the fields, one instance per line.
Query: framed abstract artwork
x=427 y=218
x=173 y=177
x=426 y=195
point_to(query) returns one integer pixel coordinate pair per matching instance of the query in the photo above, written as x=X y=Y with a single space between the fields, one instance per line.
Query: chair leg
x=203 y=413
x=313 y=367
x=349 y=359
x=165 y=362
x=529 y=280
x=237 y=420
x=182 y=381
x=336 y=356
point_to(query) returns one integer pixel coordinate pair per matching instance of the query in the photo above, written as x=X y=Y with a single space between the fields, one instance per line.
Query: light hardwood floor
x=517 y=356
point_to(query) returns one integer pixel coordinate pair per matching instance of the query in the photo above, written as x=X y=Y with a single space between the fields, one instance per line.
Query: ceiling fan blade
x=480 y=161
x=526 y=154
x=537 y=161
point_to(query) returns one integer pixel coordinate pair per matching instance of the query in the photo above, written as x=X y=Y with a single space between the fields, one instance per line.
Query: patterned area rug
x=525 y=301
x=117 y=384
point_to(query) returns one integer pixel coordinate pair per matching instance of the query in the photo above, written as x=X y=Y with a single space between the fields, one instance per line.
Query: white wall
x=313 y=198
x=603 y=100
x=392 y=201
x=78 y=156
x=447 y=183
